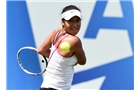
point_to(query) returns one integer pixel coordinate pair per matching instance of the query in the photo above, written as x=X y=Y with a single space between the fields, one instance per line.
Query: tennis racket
x=30 y=61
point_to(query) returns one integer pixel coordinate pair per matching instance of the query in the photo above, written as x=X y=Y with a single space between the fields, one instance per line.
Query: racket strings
x=30 y=61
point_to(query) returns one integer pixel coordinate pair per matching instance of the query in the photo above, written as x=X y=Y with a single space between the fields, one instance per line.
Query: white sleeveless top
x=59 y=72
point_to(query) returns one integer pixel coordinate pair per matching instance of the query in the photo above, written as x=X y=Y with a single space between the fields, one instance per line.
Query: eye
x=70 y=20
x=78 y=20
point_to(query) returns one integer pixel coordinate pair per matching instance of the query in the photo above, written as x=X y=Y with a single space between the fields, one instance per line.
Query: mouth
x=74 y=29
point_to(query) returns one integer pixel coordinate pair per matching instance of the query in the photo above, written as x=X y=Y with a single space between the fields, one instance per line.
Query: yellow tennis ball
x=64 y=46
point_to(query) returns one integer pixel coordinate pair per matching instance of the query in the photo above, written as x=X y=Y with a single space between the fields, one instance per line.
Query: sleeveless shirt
x=60 y=70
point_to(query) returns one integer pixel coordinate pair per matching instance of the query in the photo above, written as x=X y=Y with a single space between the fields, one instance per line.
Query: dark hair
x=70 y=7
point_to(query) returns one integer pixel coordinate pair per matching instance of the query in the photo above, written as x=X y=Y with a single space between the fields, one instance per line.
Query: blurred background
x=107 y=35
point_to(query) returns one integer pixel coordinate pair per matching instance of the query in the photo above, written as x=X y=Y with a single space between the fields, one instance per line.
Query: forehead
x=75 y=18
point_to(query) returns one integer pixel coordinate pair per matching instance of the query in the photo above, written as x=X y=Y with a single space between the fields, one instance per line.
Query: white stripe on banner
x=93 y=84
x=113 y=9
x=3 y=44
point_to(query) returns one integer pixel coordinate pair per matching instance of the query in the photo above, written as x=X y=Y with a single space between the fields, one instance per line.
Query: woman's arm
x=79 y=52
x=44 y=48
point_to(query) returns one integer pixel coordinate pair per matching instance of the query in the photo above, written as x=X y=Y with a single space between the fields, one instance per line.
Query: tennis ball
x=64 y=46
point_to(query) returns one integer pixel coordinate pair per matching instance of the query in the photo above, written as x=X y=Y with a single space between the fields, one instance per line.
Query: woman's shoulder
x=73 y=39
x=57 y=29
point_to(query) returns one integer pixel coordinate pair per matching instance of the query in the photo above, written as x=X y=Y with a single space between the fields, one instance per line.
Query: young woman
x=59 y=72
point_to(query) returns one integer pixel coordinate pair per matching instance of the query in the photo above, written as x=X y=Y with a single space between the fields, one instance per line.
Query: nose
x=75 y=24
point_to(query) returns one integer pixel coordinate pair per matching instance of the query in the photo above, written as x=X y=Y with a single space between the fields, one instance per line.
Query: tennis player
x=60 y=70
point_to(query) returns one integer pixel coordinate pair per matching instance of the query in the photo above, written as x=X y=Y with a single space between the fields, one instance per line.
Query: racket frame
x=20 y=64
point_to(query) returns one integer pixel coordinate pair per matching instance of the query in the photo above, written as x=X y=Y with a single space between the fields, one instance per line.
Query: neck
x=63 y=30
